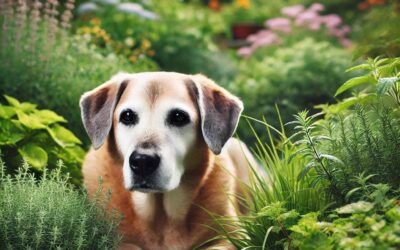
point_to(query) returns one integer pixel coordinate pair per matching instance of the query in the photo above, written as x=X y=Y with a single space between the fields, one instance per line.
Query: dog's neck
x=175 y=205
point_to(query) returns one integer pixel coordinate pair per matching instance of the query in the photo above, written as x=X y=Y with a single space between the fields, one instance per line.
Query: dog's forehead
x=153 y=87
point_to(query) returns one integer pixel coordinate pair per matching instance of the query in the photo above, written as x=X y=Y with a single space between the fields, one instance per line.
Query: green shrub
x=37 y=137
x=48 y=67
x=294 y=78
x=50 y=214
x=359 y=135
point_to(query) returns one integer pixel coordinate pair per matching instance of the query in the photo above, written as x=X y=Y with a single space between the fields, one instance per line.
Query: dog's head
x=155 y=120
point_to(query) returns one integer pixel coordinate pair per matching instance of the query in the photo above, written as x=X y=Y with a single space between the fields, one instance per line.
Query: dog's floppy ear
x=219 y=112
x=97 y=108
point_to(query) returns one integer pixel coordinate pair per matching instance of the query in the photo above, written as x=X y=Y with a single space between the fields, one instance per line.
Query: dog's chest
x=162 y=223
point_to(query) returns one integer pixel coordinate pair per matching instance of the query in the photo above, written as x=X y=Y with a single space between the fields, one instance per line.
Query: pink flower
x=306 y=18
x=266 y=38
x=346 y=42
x=293 y=11
x=339 y=32
x=245 y=52
x=316 y=7
x=279 y=24
x=331 y=20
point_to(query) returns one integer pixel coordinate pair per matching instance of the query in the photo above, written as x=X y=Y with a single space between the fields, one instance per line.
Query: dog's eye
x=128 y=117
x=178 y=118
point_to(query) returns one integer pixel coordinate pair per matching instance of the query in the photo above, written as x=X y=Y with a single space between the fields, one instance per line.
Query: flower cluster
x=129 y=48
x=297 y=16
x=128 y=8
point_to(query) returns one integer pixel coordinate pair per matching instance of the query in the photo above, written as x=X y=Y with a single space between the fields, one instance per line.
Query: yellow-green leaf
x=366 y=79
x=49 y=117
x=34 y=155
x=63 y=136
x=12 y=101
x=6 y=112
x=30 y=121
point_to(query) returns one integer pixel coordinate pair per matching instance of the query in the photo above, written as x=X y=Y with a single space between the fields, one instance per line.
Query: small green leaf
x=384 y=84
x=12 y=101
x=364 y=66
x=331 y=158
x=6 y=112
x=34 y=155
x=366 y=79
x=63 y=136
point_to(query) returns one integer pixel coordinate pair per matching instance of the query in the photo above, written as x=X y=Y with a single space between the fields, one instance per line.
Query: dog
x=162 y=143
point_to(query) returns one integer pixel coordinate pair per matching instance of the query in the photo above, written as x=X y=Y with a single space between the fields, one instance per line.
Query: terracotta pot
x=243 y=30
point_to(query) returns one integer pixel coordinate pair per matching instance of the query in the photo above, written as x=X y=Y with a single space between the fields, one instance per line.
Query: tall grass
x=275 y=194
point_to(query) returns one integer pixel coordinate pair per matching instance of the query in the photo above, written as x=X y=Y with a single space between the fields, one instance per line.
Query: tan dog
x=156 y=138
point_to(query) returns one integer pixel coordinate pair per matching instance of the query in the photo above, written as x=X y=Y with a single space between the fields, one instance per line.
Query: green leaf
x=63 y=136
x=31 y=121
x=384 y=84
x=12 y=101
x=366 y=79
x=34 y=155
x=10 y=132
x=49 y=117
x=306 y=169
x=6 y=112
x=331 y=158
x=357 y=207
x=364 y=66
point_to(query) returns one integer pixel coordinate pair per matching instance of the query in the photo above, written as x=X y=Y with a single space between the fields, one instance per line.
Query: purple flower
x=245 y=52
x=293 y=11
x=279 y=24
x=331 y=20
x=316 y=7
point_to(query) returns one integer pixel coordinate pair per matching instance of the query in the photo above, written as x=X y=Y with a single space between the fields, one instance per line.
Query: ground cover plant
x=51 y=214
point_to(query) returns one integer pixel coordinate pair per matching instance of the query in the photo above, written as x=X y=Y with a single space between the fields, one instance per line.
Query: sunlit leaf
x=357 y=207
x=63 y=136
x=356 y=81
x=34 y=155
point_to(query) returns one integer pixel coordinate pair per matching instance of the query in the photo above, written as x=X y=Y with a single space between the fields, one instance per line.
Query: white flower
x=137 y=9
x=87 y=7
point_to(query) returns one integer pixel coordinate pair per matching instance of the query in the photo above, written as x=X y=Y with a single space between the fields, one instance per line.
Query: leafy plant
x=37 y=137
x=51 y=214
x=364 y=224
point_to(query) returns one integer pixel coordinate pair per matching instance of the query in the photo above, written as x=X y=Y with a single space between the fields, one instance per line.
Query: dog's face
x=156 y=120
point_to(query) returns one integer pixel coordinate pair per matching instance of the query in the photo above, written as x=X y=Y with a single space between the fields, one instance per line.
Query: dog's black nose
x=143 y=165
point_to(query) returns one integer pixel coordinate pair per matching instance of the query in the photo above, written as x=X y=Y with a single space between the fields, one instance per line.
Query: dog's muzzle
x=143 y=165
